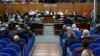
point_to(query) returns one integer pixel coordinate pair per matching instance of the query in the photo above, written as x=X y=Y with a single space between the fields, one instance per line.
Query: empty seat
x=4 y=54
x=98 y=40
x=14 y=46
x=1 y=47
x=6 y=39
x=74 y=46
x=3 y=43
x=94 y=45
x=10 y=51
x=97 y=51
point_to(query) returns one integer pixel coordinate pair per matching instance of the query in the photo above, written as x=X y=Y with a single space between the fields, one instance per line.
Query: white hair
x=86 y=33
x=69 y=28
x=74 y=27
x=64 y=26
x=16 y=38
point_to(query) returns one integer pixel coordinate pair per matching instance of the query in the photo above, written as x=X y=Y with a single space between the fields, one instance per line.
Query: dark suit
x=49 y=1
x=20 y=44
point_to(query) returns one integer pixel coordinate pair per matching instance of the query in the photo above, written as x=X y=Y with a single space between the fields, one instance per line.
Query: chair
x=97 y=51
x=92 y=32
x=84 y=25
x=6 y=39
x=14 y=46
x=10 y=51
x=23 y=40
x=76 y=45
x=1 y=47
x=74 y=50
x=78 y=33
x=3 y=43
x=4 y=54
x=98 y=40
x=94 y=45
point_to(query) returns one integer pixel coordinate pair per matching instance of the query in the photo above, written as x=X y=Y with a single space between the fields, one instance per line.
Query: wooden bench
x=57 y=28
x=84 y=25
x=38 y=28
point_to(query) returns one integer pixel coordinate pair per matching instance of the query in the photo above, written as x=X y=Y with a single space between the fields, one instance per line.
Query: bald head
x=16 y=38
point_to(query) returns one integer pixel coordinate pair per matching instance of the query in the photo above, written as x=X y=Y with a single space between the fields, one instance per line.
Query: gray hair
x=87 y=52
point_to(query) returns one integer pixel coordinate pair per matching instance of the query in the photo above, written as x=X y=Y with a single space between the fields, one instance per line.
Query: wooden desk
x=48 y=19
x=57 y=28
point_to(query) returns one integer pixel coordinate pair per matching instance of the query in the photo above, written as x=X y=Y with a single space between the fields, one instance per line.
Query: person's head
x=26 y=17
x=16 y=38
x=66 y=10
x=86 y=33
x=97 y=27
x=87 y=52
x=68 y=28
x=85 y=43
x=27 y=27
x=73 y=26
x=17 y=26
x=64 y=27
x=6 y=25
x=71 y=34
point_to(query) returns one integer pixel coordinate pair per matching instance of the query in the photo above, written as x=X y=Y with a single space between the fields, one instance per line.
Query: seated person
x=69 y=41
x=60 y=13
x=20 y=32
x=64 y=30
x=74 y=27
x=86 y=35
x=87 y=52
x=37 y=19
x=5 y=34
x=85 y=46
x=68 y=21
x=28 y=31
x=16 y=40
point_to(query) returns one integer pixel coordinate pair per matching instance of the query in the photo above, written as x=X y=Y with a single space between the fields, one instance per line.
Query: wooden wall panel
x=9 y=7
x=78 y=8
x=32 y=7
x=2 y=8
x=98 y=8
x=40 y=7
x=23 y=7
x=69 y=7
x=61 y=6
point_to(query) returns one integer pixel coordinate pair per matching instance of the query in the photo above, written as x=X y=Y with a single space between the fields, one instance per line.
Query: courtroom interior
x=49 y=28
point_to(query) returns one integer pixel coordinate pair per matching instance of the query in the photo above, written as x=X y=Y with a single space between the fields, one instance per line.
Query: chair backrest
x=84 y=25
x=98 y=40
x=14 y=46
x=10 y=51
x=3 y=43
x=76 y=45
x=78 y=33
x=94 y=45
x=97 y=51
x=26 y=37
x=6 y=39
x=1 y=47
x=4 y=54
x=23 y=40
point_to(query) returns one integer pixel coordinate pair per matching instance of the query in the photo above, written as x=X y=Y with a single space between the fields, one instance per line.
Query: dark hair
x=85 y=43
